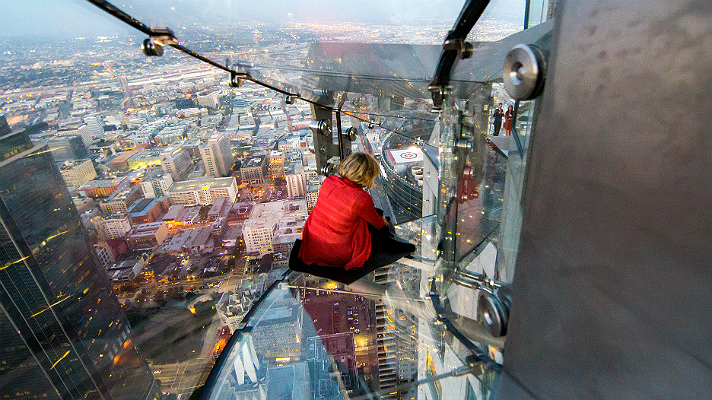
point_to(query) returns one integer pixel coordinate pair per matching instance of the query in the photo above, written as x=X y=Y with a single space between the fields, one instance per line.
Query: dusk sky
x=71 y=18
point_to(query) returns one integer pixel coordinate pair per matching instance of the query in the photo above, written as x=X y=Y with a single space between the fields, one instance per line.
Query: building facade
x=61 y=341
x=312 y=195
x=258 y=230
x=106 y=256
x=203 y=191
x=77 y=173
x=266 y=218
x=82 y=131
x=296 y=185
x=148 y=210
x=156 y=184
x=217 y=155
x=254 y=170
x=95 y=125
x=115 y=226
x=120 y=201
x=402 y=178
x=276 y=165
x=147 y=236
x=220 y=208
x=98 y=188
x=67 y=148
x=176 y=162
x=144 y=159
x=211 y=100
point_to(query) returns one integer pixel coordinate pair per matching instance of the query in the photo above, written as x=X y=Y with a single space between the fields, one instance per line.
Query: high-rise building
x=77 y=173
x=116 y=226
x=259 y=230
x=120 y=200
x=63 y=333
x=96 y=127
x=312 y=195
x=82 y=130
x=211 y=100
x=296 y=185
x=106 y=256
x=156 y=184
x=203 y=191
x=254 y=170
x=276 y=165
x=217 y=155
x=66 y=148
x=402 y=179
x=4 y=126
x=176 y=162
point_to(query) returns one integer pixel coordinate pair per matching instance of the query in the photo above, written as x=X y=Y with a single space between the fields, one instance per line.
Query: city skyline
x=76 y=18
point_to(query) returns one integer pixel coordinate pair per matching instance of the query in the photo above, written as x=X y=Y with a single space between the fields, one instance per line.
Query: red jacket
x=336 y=232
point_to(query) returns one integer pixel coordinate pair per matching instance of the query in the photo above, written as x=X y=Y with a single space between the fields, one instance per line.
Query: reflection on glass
x=539 y=11
x=346 y=341
x=63 y=334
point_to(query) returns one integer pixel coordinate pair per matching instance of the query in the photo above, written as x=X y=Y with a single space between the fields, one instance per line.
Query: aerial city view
x=179 y=201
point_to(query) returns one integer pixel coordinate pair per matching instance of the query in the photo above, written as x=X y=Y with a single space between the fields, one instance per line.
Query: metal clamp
x=323 y=127
x=235 y=80
x=464 y=48
x=524 y=72
x=153 y=46
x=351 y=133
x=439 y=94
x=328 y=169
x=493 y=302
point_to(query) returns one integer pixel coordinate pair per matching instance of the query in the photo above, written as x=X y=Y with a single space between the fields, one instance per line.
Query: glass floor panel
x=381 y=337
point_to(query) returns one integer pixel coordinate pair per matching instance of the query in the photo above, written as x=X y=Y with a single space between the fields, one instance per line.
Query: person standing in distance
x=508 y=116
x=498 y=113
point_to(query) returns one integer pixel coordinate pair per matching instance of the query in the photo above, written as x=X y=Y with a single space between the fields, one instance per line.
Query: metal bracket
x=455 y=47
x=493 y=302
x=153 y=46
x=236 y=80
x=524 y=72
x=351 y=134
x=322 y=127
x=464 y=48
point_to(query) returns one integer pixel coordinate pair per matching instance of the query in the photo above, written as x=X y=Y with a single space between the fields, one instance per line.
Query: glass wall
x=193 y=268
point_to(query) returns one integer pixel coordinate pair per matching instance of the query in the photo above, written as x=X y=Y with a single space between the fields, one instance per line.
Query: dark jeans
x=497 y=127
x=385 y=249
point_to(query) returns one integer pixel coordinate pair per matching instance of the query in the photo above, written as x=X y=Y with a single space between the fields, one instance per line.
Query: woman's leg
x=385 y=248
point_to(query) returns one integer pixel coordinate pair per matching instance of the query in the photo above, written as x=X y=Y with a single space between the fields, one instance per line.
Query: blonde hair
x=360 y=168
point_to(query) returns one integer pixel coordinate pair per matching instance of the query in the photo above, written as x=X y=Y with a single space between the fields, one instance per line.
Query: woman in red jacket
x=345 y=237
